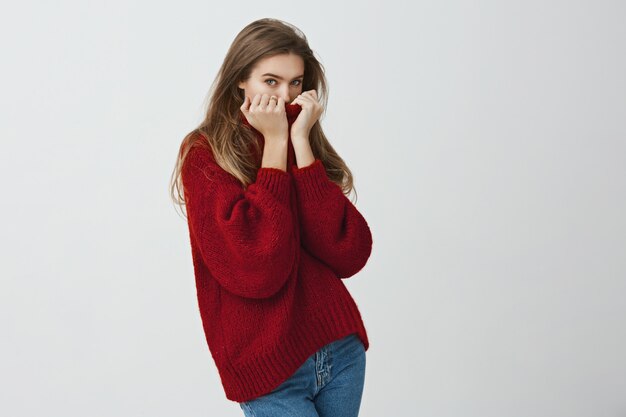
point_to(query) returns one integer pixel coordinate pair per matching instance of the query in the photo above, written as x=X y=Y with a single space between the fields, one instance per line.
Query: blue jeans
x=329 y=383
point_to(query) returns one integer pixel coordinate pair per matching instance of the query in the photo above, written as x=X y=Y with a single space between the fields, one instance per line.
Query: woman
x=273 y=234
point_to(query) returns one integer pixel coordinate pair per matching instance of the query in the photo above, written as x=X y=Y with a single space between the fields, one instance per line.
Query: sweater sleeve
x=332 y=229
x=246 y=238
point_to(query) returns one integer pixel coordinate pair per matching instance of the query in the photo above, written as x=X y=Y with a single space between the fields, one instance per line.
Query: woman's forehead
x=284 y=65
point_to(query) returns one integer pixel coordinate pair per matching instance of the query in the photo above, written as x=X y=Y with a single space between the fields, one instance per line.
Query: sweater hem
x=261 y=374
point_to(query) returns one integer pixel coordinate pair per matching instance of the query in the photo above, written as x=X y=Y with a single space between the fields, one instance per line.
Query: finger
x=281 y=103
x=273 y=101
x=245 y=105
x=301 y=98
x=255 y=101
x=264 y=100
x=305 y=99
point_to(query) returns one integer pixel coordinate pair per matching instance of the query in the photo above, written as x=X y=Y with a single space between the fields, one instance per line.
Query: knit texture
x=269 y=263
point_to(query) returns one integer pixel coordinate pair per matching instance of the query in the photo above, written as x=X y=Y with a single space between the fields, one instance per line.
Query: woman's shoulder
x=201 y=162
x=199 y=149
x=199 y=155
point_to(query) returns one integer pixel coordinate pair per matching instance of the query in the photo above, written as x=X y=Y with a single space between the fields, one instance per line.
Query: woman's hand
x=310 y=113
x=267 y=116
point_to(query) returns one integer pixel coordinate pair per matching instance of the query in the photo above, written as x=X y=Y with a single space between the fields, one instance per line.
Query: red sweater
x=269 y=263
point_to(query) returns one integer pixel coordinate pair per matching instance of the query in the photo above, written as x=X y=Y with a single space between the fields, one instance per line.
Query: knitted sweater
x=269 y=263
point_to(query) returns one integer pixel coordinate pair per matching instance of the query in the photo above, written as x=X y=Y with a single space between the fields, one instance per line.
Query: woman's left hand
x=310 y=113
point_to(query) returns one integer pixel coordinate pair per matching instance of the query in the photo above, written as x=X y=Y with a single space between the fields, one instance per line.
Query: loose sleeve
x=246 y=238
x=332 y=229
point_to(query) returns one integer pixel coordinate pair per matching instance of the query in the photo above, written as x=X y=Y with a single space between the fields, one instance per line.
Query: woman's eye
x=271 y=79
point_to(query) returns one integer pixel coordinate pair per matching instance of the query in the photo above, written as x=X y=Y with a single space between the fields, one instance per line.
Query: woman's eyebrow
x=278 y=76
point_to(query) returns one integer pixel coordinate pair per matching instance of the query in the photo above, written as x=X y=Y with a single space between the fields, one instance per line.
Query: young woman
x=273 y=234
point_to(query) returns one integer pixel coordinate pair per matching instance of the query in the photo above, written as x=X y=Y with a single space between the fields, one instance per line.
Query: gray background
x=488 y=143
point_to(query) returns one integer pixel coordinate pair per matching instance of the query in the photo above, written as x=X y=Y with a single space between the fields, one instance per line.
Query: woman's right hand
x=267 y=116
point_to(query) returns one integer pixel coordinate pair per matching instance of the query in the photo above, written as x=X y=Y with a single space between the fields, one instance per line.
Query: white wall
x=488 y=143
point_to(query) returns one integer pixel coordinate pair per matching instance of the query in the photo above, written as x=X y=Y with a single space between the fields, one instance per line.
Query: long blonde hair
x=222 y=130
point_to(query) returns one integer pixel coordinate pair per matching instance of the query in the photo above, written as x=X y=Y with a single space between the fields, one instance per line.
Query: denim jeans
x=329 y=383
